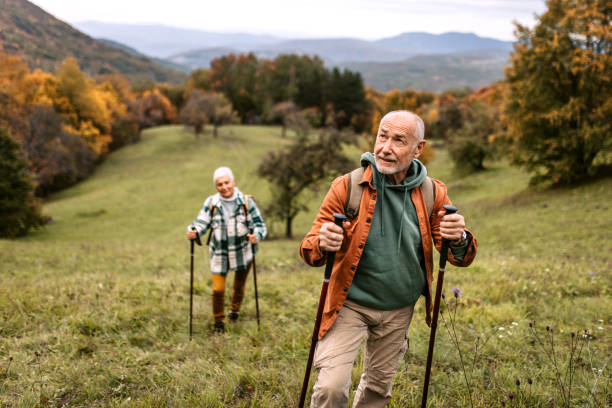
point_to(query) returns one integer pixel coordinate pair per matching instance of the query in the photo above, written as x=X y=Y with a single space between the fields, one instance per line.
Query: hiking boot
x=233 y=316
x=219 y=328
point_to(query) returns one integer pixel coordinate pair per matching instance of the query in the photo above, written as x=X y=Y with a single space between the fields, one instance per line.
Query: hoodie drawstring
x=382 y=200
x=399 y=238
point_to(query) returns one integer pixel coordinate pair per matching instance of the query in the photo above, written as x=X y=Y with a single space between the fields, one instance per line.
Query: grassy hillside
x=94 y=308
x=44 y=42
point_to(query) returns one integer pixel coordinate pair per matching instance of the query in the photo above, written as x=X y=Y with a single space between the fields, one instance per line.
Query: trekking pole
x=434 y=322
x=197 y=240
x=255 y=284
x=338 y=219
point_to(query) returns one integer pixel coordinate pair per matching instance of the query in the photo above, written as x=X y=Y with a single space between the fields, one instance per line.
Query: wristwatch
x=461 y=241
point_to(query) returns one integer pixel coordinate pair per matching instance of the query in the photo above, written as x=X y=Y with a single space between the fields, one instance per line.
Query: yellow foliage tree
x=559 y=102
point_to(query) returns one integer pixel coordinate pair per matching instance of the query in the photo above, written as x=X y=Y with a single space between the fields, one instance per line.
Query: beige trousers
x=386 y=333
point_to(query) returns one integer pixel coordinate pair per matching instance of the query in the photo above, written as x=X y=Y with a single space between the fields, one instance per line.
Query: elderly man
x=383 y=264
x=237 y=226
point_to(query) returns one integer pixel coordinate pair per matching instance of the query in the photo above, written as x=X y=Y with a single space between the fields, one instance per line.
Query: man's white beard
x=390 y=171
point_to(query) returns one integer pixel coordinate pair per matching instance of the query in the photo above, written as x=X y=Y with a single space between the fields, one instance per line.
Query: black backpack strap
x=355 y=191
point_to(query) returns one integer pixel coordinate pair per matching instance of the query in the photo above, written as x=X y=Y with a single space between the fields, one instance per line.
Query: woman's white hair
x=222 y=172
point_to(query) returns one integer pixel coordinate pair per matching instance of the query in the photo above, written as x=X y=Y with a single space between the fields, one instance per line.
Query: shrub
x=19 y=210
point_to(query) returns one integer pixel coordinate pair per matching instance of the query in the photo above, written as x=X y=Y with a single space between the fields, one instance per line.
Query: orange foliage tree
x=65 y=122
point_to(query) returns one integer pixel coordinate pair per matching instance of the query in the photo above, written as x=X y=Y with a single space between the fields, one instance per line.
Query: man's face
x=396 y=144
x=225 y=186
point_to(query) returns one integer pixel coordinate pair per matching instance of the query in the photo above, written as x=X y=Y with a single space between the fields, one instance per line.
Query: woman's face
x=225 y=186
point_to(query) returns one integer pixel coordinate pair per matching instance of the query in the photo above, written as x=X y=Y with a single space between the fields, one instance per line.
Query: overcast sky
x=366 y=19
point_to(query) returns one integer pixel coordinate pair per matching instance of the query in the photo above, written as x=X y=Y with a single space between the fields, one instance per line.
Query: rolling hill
x=43 y=41
x=436 y=73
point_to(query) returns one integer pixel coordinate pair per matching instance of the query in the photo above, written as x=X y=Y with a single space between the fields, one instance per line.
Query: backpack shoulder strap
x=245 y=206
x=212 y=208
x=355 y=191
x=429 y=194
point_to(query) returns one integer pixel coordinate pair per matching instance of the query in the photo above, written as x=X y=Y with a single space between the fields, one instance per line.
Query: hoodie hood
x=417 y=173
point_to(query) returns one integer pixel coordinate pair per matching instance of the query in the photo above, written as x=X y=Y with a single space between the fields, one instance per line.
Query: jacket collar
x=367 y=177
x=240 y=199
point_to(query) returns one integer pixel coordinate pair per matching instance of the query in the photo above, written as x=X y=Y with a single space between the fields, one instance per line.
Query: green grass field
x=94 y=307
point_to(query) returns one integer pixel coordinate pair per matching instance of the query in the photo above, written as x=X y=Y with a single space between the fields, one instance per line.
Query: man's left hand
x=252 y=238
x=451 y=226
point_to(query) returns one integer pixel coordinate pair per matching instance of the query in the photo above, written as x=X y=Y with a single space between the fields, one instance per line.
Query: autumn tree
x=560 y=92
x=473 y=142
x=194 y=112
x=19 y=210
x=283 y=112
x=299 y=167
x=198 y=79
x=57 y=158
x=221 y=112
x=206 y=107
x=236 y=77
x=152 y=108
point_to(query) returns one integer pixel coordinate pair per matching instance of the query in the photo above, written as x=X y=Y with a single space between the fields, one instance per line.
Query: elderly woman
x=237 y=226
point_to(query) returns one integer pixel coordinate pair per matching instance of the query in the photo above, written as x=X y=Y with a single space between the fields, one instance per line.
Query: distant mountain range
x=156 y=52
x=163 y=41
x=43 y=41
x=417 y=59
x=436 y=73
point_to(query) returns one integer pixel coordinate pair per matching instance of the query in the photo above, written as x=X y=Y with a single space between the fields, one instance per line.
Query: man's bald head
x=406 y=118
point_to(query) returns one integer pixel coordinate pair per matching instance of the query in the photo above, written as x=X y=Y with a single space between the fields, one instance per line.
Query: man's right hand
x=192 y=234
x=331 y=236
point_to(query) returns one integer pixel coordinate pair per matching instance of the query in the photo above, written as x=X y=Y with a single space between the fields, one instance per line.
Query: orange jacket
x=347 y=258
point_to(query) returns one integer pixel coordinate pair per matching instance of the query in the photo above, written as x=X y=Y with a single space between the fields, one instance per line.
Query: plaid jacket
x=229 y=246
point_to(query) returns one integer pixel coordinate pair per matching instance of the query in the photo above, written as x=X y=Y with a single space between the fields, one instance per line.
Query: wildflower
x=501 y=336
x=511 y=396
x=457 y=292
x=529 y=381
x=443 y=295
x=518 y=382
x=514 y=323
x=591 y=274
x=600 y=328
x=501 y=328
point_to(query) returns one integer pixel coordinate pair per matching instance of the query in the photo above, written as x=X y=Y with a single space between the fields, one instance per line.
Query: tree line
x=550 y=115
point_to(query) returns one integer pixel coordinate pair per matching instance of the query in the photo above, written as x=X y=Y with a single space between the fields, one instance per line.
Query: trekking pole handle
x=338 y=220
x=450 y=209
x=197 y=238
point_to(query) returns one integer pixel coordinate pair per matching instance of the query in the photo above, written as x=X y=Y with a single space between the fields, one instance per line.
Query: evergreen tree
x=19 y=210
x=560 y=92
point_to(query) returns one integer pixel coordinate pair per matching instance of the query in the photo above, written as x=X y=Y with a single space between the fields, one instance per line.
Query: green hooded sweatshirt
x=391 y=273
